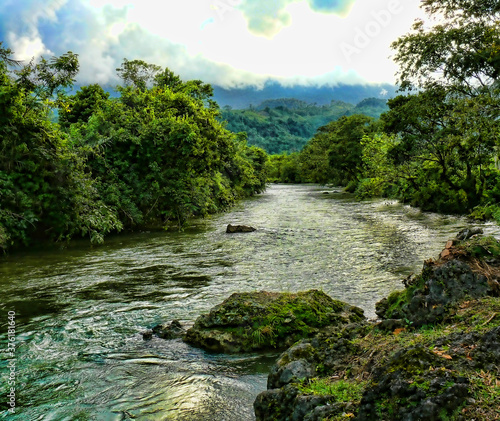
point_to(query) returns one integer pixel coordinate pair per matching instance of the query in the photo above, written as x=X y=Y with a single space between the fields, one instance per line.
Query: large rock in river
x=231 y=229
x=268 y=320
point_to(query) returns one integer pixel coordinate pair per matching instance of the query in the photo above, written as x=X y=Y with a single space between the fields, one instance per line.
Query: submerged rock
x=268 y=320
x=147 y=335
x=231 y=229
x=172 y=330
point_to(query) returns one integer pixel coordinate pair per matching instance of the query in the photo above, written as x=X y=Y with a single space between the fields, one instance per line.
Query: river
x=80 y=311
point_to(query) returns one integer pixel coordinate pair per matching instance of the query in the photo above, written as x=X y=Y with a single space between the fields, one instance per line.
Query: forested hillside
x=152 y=157
x=246 y=96
x=285 y=125
x=438 y=145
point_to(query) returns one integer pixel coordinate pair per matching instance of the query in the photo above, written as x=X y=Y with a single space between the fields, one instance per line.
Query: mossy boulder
x=267 y=320
x=468 y=269
x=414 y=385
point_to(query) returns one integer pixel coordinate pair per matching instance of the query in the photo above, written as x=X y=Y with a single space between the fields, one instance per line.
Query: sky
x=230 y=43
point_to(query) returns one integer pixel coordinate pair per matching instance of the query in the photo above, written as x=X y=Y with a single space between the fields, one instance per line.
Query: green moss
x=320 y=368
x=398 y=299
x=342 y=390
x=414 y=361
x=416 y=357
x=258 y=320
x=485 y=389
x=387 y=407
x=298 y=315
x=394 y=303
x=481 y=246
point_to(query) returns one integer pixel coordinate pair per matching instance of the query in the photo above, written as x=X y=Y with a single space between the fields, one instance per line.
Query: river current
x=80 y=312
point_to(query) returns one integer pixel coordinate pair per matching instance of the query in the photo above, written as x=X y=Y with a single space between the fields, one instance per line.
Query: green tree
x=380 y=175
x=44 y=189
x=448 y=131
x=314 y=159
x=461 y=53
x=285 y=168
x=138 y=73
x=159 y=155
x=48 y=77
x=345 y=153
x=79 y=108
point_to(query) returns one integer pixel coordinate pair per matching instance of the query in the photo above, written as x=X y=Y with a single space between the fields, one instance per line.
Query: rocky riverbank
x=434 y=356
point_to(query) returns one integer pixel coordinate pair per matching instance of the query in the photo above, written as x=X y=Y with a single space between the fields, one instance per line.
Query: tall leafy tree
x=460 y=53
x=345 y=154
x=159 y=154
x=138 y=73
x=334 y=154
x=48 y=77
x=448 y=124
x=44 y=189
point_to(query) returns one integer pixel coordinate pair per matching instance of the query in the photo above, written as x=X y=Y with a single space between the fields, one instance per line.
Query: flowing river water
x=80 y=312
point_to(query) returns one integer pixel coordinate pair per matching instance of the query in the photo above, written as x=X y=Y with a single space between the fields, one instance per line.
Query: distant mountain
x=286 y=124
x=241 y=98
x=289 y=103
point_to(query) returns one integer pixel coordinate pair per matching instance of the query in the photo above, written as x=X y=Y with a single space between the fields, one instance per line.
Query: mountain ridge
x=241 y=98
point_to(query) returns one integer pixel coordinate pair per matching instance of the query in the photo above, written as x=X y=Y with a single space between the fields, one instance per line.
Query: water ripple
x=81 y=311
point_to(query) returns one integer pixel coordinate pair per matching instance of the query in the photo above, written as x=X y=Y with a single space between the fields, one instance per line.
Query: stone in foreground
x=254 y=321
x=231 y=229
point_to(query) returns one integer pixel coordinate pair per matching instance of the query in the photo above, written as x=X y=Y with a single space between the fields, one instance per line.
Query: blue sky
x=232 y=43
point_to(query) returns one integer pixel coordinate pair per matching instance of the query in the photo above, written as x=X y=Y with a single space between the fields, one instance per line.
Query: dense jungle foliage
x=161 y=152
x=285 y=125
x=438 y=145
x=152 y=157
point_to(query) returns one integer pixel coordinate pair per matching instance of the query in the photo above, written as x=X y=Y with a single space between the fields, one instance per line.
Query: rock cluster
x=430 y=295
x=464 y=270
x=436 y=357
x=173 y=330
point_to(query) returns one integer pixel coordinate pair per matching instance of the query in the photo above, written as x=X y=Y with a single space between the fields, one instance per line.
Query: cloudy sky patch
x=225 y=42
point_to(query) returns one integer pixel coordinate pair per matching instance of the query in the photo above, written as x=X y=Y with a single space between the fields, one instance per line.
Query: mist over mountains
x=240 y=98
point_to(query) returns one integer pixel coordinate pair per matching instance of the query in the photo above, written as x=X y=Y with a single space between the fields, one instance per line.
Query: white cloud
x=22 y=26
x=198 y=41
x=27 y=47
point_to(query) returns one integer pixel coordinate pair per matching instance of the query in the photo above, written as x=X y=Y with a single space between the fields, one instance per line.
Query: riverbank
x=440 y=361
